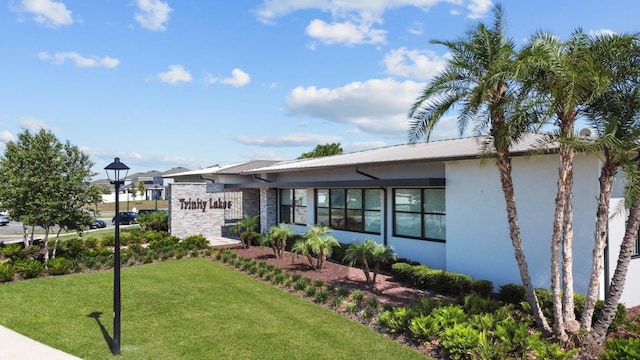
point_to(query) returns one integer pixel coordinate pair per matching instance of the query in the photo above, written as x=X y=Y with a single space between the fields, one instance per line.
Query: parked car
x=126 y=217
x=97 y=224
x=4 y=220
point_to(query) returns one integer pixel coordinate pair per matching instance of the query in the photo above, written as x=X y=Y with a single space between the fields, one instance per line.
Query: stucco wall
x=478 y=241
x=618 y=216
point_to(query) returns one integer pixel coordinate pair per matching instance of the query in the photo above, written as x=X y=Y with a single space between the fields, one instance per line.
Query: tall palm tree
x=480 y=78
x=616 y=117
x=565 y=77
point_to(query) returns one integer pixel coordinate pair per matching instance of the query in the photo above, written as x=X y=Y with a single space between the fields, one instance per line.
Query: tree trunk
x=596 y=337
x=46 y=244
x=25 y=235
x=55 y=244
x=571 y=325
x=607 y=175
x=504 y=166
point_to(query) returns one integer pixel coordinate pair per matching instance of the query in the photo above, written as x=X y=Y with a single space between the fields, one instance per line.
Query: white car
x=4 y=220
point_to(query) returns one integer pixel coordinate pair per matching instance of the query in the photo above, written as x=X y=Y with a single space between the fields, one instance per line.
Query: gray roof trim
x=422 y=182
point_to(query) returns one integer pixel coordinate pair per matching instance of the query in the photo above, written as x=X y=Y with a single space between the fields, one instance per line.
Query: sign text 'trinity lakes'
x=203 y=204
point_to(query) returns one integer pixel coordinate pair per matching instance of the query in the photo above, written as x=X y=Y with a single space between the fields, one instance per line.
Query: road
x=12 y=232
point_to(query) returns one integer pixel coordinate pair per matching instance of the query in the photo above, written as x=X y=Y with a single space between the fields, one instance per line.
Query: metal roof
x=441 y=150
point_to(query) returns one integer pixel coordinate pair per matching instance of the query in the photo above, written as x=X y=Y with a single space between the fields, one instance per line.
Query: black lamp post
x=116 y=178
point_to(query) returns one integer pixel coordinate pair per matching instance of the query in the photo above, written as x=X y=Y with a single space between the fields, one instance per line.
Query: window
x=293 y=206
x=349 y=209
x=419 y=213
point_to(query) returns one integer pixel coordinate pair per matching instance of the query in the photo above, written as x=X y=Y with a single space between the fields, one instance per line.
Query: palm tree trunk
x=504 y=166
x=569 y=316
x=599 y=331
x=607 y=175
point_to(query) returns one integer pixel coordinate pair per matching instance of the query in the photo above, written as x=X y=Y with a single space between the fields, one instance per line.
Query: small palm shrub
x=14 y=252
x=350 y=308
x=357 y=295
x=429 y=327
x=621 y=349
x=59 y=266
x=398 y=319
x=29 y=268
x=7 y=271
x=194 y=242
x=311 y=291
x=321 y=296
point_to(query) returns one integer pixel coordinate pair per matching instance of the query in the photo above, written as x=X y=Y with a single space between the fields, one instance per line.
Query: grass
x=186 y=309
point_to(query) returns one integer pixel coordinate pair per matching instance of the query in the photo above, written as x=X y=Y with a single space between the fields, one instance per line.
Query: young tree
x=480 y=77
x=246 y=228
x=369 y=253
x=44 y=182
x=320 y=243
x=142 y=189
x=277 y=239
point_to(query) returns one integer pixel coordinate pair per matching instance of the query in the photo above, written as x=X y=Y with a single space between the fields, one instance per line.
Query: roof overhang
x=369 y=183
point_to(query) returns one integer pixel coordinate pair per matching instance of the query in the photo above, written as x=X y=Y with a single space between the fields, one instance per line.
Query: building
x=438 y=203
x=156 y=185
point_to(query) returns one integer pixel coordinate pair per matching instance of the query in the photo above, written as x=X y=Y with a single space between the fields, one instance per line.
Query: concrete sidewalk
x=15 y=346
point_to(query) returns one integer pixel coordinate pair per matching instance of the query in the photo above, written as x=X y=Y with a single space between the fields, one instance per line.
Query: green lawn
x=186 y=309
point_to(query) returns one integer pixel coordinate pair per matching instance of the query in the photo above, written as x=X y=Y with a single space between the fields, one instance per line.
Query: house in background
x=156 y=184
x=436 y=203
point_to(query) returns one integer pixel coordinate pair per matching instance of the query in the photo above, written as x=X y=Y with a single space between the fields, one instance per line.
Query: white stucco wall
x=478 y=241
x=617 y=219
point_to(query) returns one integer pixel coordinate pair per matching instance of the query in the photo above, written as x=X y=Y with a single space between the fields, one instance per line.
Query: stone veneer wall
x=204 y=215
x=268 y=209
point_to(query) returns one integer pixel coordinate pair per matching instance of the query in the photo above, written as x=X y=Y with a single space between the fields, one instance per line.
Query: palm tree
x=277 y=238
x=246 y=229
x=301 y=247
x=320 y=243
x=616 y=117
x=361 y=253
x=382 y=254
x=480 y=77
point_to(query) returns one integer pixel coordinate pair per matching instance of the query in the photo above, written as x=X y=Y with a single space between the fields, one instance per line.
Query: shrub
x=476 y=304
x=483 y=288
x=621 y=313
x=7 y=271
x=29 y=268
x=156 y=221
x=402 y=271
x=165 y=243
x=460 y=341
x=398 y=319
x=14 y=252
x=59 y=266
x=194 y=242
x=357 y=295
x=621 y=349
x=350 y=308
x=321 y=296
x=429 y=327
x=109 y=240
x=311 y=291
x=512 y=294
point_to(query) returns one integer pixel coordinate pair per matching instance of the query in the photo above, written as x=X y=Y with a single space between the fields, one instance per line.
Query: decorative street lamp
x=116 y=178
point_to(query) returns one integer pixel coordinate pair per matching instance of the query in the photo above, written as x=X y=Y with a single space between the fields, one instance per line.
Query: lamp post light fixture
x=116 y=178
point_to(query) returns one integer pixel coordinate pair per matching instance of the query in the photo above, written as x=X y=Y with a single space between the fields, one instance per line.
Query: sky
x=194 y=83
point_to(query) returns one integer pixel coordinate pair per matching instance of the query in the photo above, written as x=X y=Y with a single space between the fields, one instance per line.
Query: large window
x=293 y=206
x=349 y=209
x=420 y=214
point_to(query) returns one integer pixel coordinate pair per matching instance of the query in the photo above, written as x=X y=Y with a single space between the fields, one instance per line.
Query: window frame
x=331 y=212
x=421 y=213
x=292 y=207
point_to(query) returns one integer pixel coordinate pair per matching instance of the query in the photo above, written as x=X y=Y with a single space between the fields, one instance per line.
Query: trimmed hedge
x=441 y=281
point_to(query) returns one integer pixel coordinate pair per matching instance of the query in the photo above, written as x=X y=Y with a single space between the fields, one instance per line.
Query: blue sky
x=166 y=83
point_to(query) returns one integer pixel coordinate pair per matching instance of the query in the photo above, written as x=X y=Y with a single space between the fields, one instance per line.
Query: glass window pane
x=372 y=199
x=300 y=215
x=337 y=198
x=434 y=201
x=286 y=197
x=322 y=198
x=408 y=224
x=285 y=214
x=300 y=197
x=435 y=227
x=354 y=198
x=354 y=220
x=322 y=216
x=372 y=221
x=408 y=200
x=337 y=218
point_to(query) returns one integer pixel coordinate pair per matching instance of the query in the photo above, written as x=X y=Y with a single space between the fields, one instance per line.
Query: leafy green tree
x=142 y=189
x=133 y=190
x=45 y=183
x=323 y=150
x=480 y=77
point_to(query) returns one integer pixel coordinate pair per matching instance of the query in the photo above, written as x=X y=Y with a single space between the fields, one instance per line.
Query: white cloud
x=416 y=28
x=32 y=124
x=347 y=33
x=479 y=8
x=6 y=136
x=415 y=64
x=80 y=61
x=238 y=78
x=602 y=32
x=153 y=15
x=175 y=75
x=377 y=106
x=47 y=12
x=287 y=140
